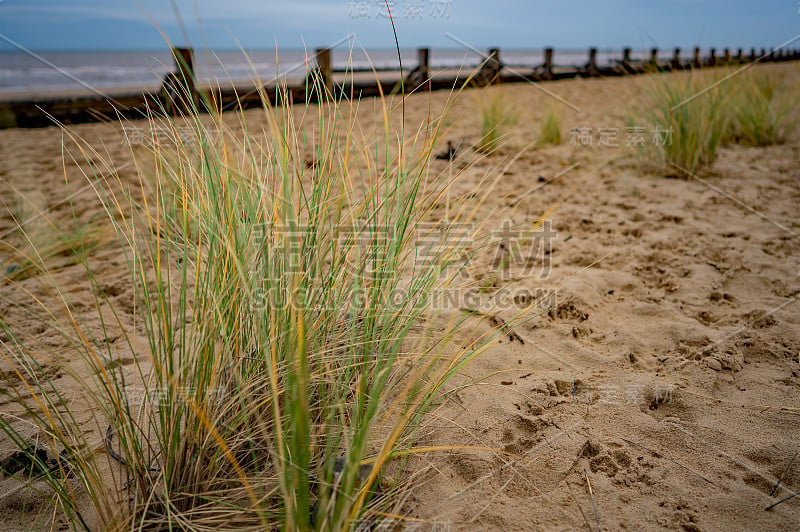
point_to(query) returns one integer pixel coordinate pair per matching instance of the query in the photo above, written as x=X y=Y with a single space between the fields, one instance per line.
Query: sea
x=66 y=71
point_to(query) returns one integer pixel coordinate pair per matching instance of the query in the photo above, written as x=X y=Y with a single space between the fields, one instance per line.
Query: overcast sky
x=253 y=24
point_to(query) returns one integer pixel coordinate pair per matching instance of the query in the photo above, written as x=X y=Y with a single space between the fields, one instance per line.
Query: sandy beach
x=657 y=389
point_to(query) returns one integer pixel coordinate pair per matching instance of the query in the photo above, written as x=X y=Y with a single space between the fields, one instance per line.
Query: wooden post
x=548 y=64
x=676 y=59
x=8 y=117
x=739 y=55
x=626 y=59
x=712 y=61
x=591 y=66
x=752 y=54
x=654 y=58
x=178 y=90
x=764 y=55
x=423 y=60
x=424 y=66
x=696 y=58
x=726 y=56
x=324 y=69
x=420 y=77
x=490 y=72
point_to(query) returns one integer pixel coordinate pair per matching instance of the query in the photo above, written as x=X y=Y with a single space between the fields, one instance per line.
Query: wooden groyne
x=180 y=92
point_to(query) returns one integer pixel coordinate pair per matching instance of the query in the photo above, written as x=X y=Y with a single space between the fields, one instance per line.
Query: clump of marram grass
x=550 y=131
x=495 y=116
x=284 y=348
x=764 y=109
x=691 y=112
x=695 y=114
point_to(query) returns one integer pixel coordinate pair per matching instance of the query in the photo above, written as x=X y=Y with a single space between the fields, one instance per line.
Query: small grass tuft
x=764 y=109
x=495 y=116
x=697 y=113
x=692 y=117
x=550 y=132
